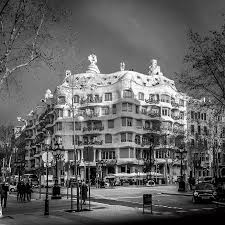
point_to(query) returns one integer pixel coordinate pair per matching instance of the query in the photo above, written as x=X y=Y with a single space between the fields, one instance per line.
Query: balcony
x=175 y=105
x=151 y=129
x=175 y=117
x=90 y=143
x=152 y=101
x=153 y=114
x=90 y=129
x=91 y=99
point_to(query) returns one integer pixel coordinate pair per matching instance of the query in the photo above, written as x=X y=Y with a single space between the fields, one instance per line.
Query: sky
x=133 y=31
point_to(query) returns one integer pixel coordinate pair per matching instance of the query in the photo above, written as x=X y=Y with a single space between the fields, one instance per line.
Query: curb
x=166 y=193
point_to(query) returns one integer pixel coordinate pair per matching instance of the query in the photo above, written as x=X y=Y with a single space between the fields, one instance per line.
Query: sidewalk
x=100 y=214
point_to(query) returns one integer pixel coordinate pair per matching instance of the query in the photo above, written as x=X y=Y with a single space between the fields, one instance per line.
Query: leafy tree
x=204 y=73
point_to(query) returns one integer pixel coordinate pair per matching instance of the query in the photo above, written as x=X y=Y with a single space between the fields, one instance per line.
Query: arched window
x=76 y=98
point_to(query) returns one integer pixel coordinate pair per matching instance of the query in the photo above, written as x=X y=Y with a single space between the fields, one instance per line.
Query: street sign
x=47 y=155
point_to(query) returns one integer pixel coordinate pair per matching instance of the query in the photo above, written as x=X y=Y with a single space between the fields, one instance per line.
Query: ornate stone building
x=117 y=117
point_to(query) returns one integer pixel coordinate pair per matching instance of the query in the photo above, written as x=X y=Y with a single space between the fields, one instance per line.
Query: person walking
x=23 y=191
x=84 y=190
x=4 y=194
x=28 y=191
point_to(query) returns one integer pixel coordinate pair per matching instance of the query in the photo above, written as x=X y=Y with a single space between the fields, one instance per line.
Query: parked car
x=204 y=192
x=207 y=179
x=12 y=187
x=150 y=183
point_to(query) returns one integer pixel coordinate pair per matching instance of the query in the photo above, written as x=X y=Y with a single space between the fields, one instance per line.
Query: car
x=12 y=188
x=204 y=192
x=150 y=183
x=207 y=179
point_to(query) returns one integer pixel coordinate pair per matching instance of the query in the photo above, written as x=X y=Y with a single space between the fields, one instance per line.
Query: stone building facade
x=113 y=118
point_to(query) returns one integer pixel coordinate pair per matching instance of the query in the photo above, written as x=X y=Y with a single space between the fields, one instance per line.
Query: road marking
x=169 y=207
x=208 y=208
x=181 y=211
x=194 y=210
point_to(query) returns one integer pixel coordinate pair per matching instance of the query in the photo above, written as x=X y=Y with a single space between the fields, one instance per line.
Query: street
x=172 y=204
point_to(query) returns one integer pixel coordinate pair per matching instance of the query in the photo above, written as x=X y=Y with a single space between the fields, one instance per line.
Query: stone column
x=94 y=155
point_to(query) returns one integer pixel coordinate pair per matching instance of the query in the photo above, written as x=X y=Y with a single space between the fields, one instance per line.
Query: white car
x=150 y=183
x=12 y=188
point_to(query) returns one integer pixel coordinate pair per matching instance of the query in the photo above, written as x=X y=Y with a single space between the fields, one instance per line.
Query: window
x=126 y=137
x=141 y=96
x=204 y=116
x=139 y=123
x=61 y=100
x=108 y=155
x=129 y=137
x=123 y=169
x=138 y=139
x=110 y=123
x=181 y=115
x=70 y=126
x=205 y=130
x=59 y=126
x=114 y=108
x=181 y=102
x=69 y=113
x=123 y=137
x=129 y=122
x=77 y=125
x=108 y=138
x=105 y=110
x=165 y=98
x=76 y=139
x=192 y=129
x=126 y=122
x=137 y=109
x=127 y=94
x=192 y=114
x=165 y=111
x=199 y=115
x=192 y=142
x=60 y=112
x=199 y=129
x=124 y=153
x=108 y=96
x=127 y=107
x=76 y=98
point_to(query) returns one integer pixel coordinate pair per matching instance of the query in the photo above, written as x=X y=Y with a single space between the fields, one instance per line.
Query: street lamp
x=56 y=188
x=47 y=158
x=181 y=151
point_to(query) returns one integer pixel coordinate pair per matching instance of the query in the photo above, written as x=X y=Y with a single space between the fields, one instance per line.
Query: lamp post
x=102 y=164
x=47 y=158
x=181 y=151
x=57 y=155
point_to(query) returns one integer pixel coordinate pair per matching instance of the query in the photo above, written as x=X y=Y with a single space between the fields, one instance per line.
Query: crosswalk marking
x=194 y=210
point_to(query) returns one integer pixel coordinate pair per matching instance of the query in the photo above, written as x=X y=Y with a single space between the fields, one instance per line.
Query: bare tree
x=22 y=33
x=204 y=73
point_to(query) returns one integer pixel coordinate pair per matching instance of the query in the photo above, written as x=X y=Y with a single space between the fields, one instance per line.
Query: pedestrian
x=28 y=191
x=4 y=194
x=23 y=191
x=84 y=190
x=19 y=192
